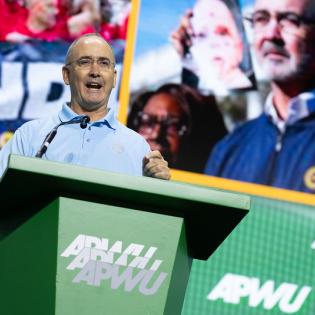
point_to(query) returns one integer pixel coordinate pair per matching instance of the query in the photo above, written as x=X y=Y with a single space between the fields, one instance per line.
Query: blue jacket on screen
x=258 y=152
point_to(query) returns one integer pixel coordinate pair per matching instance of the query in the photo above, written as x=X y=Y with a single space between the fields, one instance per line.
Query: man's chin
x=278 y=71
x=89 y=105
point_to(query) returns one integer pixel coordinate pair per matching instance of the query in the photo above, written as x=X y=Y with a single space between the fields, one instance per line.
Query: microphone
x=82 y=120
x=85 y=121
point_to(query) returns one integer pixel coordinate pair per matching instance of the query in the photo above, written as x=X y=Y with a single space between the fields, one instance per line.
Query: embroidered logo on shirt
x=118 y=148
x=309 y=178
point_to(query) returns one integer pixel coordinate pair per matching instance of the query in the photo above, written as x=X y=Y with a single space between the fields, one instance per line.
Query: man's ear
x=115 y=78
x=65 y=75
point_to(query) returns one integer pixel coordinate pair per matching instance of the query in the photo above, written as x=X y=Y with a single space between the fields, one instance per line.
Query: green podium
x=81 y=241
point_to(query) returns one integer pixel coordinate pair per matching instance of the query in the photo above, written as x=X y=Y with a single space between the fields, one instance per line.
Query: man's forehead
x=212 y=16
x=212 y=9
x=92 y=46
x=162 y=102
x=297 y=6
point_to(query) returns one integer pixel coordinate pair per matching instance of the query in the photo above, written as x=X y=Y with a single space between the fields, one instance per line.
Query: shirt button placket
x=87 y=141
x=88 y=136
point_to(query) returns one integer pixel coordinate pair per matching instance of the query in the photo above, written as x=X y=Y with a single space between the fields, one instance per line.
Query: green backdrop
x=266 y=266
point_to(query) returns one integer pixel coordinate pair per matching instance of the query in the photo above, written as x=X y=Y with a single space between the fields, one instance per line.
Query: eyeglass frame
x=90 y=58
x=183 y=128
x=279 y=16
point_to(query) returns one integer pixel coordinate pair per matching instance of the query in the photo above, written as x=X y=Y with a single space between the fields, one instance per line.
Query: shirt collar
x=300 y=107
x=109 y=120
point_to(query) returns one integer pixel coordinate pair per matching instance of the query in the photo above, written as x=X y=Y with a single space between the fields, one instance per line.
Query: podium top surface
x=34 y=182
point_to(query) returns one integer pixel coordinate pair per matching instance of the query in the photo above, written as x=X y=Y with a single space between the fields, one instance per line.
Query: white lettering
x=103 y=271
x=11 y=91
x=81 y=260
x=287 y=307
x=86 y=274
x=156 y=285
x=132 y=249
x=75 y=247
x=92 y=241
x=155 y=266
x=127 y=277
x=265 y=294
x=41 y=77
x=97 y=263
x=107 y=257
x=141 y=262
x=117 y=247
x=231 y=288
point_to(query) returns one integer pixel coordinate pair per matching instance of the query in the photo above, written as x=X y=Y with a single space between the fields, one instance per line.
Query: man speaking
x=85 y=132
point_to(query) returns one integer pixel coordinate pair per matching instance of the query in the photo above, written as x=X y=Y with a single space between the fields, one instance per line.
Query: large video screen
x=223 y=88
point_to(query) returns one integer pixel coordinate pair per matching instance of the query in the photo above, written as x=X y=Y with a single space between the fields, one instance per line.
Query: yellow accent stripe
x=128 y=56
x=242 y=187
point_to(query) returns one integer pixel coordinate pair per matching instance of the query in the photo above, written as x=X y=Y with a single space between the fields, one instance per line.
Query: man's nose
x=273 y=29
x=94 y=69
x=155 y=131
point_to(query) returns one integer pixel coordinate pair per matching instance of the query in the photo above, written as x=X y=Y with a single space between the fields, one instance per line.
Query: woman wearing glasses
x=179 y=122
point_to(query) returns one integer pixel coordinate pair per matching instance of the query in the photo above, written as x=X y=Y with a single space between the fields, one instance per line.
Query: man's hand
x=155 y=166
x=181 y=37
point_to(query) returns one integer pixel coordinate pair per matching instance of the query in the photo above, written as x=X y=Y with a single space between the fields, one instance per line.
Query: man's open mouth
x=93 y=85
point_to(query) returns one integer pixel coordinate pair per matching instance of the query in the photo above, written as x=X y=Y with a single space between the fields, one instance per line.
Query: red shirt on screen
x=14 y=20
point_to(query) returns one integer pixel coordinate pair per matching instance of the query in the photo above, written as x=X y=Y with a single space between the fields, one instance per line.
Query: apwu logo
x=97 y=261
x=232 y=288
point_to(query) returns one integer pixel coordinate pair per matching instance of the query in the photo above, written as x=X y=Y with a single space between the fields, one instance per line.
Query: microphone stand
x=83 y=121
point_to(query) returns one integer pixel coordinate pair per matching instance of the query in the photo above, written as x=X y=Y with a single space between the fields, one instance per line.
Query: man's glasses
x=86 y=62
x=173 y=126
x=288 y=21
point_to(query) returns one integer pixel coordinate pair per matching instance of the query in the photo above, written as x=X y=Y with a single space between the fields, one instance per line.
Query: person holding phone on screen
x=210 y=43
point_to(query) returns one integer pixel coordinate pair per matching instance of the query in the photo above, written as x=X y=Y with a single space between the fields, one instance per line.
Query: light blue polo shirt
x=105 y=144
